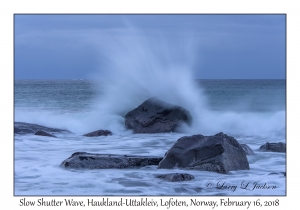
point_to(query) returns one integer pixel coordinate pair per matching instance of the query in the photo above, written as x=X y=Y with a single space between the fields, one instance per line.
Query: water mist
x=139 y=66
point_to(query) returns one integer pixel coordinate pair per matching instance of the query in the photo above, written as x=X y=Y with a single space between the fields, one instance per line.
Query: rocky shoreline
x=217 y=153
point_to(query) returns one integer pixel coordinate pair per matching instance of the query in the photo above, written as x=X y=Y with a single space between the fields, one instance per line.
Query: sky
x=90 y=46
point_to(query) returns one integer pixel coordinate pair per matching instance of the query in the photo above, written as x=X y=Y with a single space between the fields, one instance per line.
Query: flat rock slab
x=156 y=116
x=219 y=153
x=43 y=133
x=99 y=133
x=273 y=147
x=83 y=160
x=29 y=128
x=175 y=177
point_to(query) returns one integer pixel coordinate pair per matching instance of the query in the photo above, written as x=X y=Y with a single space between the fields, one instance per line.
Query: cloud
x=207 y=42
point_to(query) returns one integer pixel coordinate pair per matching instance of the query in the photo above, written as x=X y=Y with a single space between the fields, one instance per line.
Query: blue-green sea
x=252 y=111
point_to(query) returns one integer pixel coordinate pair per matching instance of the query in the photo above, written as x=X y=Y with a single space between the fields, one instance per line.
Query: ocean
x=251 y=111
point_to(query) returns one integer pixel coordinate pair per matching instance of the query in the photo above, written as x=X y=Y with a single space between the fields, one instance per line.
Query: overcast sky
x=212 y=46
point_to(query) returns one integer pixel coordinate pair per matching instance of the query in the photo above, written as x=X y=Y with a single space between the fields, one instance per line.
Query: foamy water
x=37 y=170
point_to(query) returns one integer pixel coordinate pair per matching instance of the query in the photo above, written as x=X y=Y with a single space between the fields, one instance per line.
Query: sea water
x=252 y=111
x=133 y=68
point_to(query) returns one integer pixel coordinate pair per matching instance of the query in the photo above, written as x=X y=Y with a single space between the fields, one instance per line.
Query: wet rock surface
x=273 y=147
x=247 y=149
x=83 y=160
x=219 y=153
x=278 y=173
x=43 y=133
x=98 y=133
x=156 y=116
x=29 y=128
x=175 y=177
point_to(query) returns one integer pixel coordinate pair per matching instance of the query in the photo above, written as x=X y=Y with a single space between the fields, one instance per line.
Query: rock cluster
x=218 y=153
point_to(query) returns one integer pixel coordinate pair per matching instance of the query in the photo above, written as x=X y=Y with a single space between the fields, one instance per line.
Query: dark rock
x=29 y=128
x=156 y=116
x=99 y=133
x=176 y=177
x=219 y=153
x=43 y=133
x=247 y=149
x=83 y=160
x=273 y=147
x=279 y=173
x=20 y=130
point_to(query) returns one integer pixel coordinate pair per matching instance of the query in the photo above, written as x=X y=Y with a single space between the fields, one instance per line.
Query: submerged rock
x=273 y=147
x=99 y=133
x=83 y=160
x=43 y=133
x=175 y=177
x=219 y=153
x=247 y=149
x=156 y=116
x=29 y=128
x=278 y=173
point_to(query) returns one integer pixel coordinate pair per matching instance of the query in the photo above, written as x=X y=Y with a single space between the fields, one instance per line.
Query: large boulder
x=84 y=160
x=156 y=116
x=219 y=153
x=29 y=128
x=273 y=147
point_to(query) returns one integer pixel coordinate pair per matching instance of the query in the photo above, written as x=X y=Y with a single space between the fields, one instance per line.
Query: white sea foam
x=37 y=169
x=139 y=67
